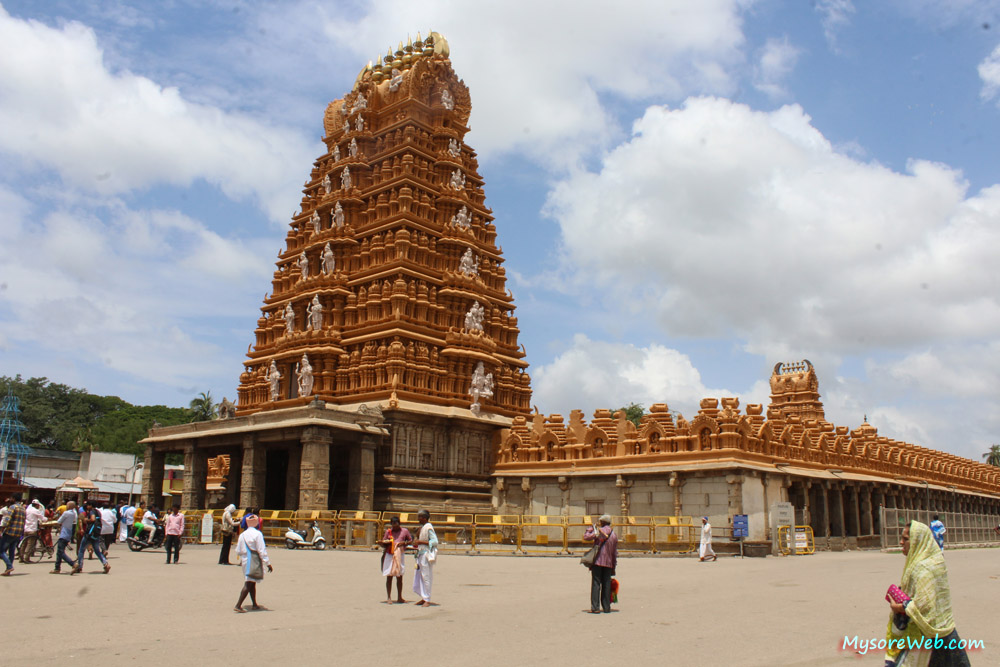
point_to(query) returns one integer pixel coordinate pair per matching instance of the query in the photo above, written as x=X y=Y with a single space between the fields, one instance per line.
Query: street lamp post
x=131 y=478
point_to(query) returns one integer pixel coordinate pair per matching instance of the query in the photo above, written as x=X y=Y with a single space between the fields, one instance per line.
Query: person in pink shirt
x=604 y=565
x=174 y=529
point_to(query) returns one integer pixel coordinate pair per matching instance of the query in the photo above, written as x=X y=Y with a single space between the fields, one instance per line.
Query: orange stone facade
x=391 y=285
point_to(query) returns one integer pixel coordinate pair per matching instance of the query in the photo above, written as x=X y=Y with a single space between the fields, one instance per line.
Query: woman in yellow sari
x=921 y=630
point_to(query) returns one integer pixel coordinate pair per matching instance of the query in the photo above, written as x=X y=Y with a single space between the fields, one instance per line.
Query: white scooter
x=296 y=539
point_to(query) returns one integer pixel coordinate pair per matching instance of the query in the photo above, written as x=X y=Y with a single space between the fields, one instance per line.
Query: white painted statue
x=326 y=184
x=345 y=179
x=352 y=150
x=347 y=128
x=329 y=263
x=447 y=100
x=304 y=265
x=338 y=215
x=274 y=379
x=468 y=264
x=315 y=310
x=360 y=102
x=305 y=377
x=462 y=218
x=289 y=319
x=481 y=387
x=457 y=180
x=316 y=223
x=474 y=318
x=359 y=123
x=336 y=149
x=395 y=81
x=454 y=149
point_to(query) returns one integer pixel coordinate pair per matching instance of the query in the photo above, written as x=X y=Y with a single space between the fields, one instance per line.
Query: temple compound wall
x=725 y=462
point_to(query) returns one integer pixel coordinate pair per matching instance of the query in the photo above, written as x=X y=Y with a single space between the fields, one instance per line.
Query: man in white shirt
x=128 y=519
x=107 y=527
x=33 y=516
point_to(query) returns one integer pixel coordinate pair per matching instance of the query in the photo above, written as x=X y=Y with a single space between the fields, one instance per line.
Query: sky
x=685 y=193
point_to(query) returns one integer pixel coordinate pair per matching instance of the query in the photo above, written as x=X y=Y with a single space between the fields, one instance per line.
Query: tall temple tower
x=385 y=362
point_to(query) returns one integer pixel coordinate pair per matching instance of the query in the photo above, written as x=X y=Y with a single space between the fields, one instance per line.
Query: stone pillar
x=565 y=484
x=195 y=477
x=361 y=483
x=837 y=517
x=152 y=476
x=623 y=488
x=677 y=484
x=865 y=526
x=253 y=473
x=526 y=488
x=767 y=507
x=825 y=502
x=314 y=470
x=806 y=512
x=292 y=476
x=735 y=500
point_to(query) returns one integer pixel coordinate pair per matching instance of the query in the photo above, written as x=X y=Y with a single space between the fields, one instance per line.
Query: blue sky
x=685 y=193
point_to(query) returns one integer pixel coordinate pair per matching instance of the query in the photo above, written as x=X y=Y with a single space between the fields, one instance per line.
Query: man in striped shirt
x=12 y=532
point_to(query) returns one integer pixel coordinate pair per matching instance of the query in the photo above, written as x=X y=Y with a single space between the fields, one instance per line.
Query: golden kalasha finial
x=388 y=57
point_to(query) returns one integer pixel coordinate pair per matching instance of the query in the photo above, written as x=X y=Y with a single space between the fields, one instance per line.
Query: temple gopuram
x=385 y=371
x=386 y=360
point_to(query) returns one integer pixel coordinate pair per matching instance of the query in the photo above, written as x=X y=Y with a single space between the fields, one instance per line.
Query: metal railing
x=960 y=528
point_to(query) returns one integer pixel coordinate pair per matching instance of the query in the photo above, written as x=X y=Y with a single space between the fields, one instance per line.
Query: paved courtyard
x=493 y=610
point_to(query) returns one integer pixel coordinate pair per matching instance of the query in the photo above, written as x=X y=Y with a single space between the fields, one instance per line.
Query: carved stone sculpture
x=336 y=149
x=314 y=219
x=481 y=387
x=315 y=310
x=345 y=179
x=395 y=81
x=305 y=376
x=226 y=410
x=462 y=218
x=474 y=318
x=274 y=380
x=360 y=102
x=338 y=215
x=447 y=101
x=289 y=318
x=353 y=148
x=326 y=183
x=347 y=128
x=457 y=180
x=468 y=265
x=454 y=149
x=359 y=123
x=304 y=265
x=329 y=262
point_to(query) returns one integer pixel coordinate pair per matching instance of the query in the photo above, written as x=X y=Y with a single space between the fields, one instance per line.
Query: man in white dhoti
x=427 y=547
x=253 y=555
x=705 y=551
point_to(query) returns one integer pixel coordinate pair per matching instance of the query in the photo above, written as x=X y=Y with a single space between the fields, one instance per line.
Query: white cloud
x=835 y=14
x=113 y=132
x=989 y=72
x=774 y=63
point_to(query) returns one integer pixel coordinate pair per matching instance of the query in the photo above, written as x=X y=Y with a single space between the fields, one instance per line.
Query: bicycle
x=38 y=548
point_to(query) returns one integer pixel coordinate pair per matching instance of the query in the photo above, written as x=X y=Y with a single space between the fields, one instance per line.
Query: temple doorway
x=275 y=479
x=340 y=466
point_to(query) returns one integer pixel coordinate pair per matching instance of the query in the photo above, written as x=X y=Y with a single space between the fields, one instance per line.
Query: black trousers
x=227 y=542
x=173 y=542
x=600 y=588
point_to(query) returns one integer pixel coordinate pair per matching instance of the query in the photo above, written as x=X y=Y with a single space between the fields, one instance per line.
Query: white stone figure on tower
x=315 y=309
x=304 y=265
x=316 y=223
x=305 y=376
x=462 y=218
x=454 y=149
x=336 y=149
x=474 y=318
x=447 y=100
x=345 y=179
x=338 y=215
x=289 y=319
x=329 y=262
x=347 y=127
x=273 y=379
x=457 y=180
x=481 y=387
x=395 y=81
x=468 y=264
x=359 y=123
x=326 y=183
x=360 y=102
x=352 y=150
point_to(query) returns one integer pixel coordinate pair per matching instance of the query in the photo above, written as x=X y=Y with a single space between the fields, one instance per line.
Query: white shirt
x=148 y=519
x=129 y=515
x=32 y=517
x=706 y=533
x=107 y=521
x=254 y=539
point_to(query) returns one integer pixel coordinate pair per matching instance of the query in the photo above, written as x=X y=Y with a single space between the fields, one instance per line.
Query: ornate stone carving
x=345 y=179
x=274 y=380
x=454 y=149
x=226 y=411
x=468 y=265
x=359 y=123
x=353 y=148
x=457 y=180
x=347 y=128
x=314 y=219
x=462 y=218
x=304 y=265
x=481 y=387
x=336 y=149
x=305 y=376
x=289 y=318
x=326 y=183
x=360 y=102
x=447 y=101
x=338 y=215
x=474 y=318
x=315 y=322
x=329 y=261
x=396 y=81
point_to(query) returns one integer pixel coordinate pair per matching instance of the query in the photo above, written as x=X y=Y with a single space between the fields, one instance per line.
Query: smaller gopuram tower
x=795 y=391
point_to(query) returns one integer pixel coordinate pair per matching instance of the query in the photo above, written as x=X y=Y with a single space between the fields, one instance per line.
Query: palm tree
x=993 y=456
x=202 y=407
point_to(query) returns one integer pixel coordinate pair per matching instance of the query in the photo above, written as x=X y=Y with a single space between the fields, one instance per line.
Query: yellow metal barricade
x=275 y=523
x=455 y=532
x=325 y=519
x=675 y=534
x=801 y=542
x=635 y=533
x=192 y=525
x=358 y=529
x=542 y=534
x=497 y=532
x=576 y=526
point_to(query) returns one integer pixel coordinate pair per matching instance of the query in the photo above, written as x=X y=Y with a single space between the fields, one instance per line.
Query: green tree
x=202 y=407
x=633 y=412
x=993 y=456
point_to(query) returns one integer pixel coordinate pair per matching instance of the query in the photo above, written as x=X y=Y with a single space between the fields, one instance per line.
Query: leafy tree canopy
x=633 y=412
x=993 y=456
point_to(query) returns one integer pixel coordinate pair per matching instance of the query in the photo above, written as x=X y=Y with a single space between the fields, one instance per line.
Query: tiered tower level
x=391 y=286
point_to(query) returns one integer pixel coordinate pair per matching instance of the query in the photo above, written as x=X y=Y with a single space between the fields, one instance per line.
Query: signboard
x=206 y=529
x=741 y=526
x=801 y=539
x=783 y=514
x=99 y=497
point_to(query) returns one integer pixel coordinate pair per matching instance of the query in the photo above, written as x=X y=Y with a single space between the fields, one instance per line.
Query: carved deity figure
x=274 y=379
x=474 y=318
x=305 y=376
x=347 y=128
x=326 y=184
x=468 y=265
x=304 y=265
x=345 y=179
x=352 y=150
x=360 y=102
x=454 y=149
x=226 y=410
x=316 y=223
x=329 y=263
x=457 y=180
x=447 y=100
x=315 y=311
x=481 y=387
x=359 y=123
x=336 y=149
x=462 y=218
x=289 y=319
x=395 y=81
x=338 y=215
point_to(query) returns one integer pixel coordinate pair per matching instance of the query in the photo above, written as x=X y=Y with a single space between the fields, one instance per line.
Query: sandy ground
x=493 y=610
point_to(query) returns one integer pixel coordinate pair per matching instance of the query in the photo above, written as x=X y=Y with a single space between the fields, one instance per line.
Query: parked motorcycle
x=296 y=539
x=136 y=544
